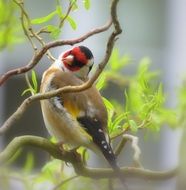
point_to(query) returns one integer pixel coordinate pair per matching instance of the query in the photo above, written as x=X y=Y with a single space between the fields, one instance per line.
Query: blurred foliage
x=11 y=31
x=10 y=27
x=62 y=16
x=143 y=97
x=143 y=105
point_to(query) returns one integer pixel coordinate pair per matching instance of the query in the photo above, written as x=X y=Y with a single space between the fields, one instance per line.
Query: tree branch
x=110 y=44
x=40 y=53
x=75 y=159
x=135 y=147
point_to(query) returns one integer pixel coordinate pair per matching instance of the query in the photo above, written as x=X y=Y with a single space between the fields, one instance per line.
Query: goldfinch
x=79 y=118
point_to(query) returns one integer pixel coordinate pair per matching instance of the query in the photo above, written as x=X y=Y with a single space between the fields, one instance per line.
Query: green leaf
x=126 y=101
x=53 y=139
x=110 y=111
x=101 y=82
x=33 y=86
x=27 y=90
x=11 y=31
x=114 y=59
x=83 y=151
x=72 y=22
x=117 y=121
x=125 y=60
x=74 y=4
x=29 y=164
x=73 y=1
x=86 y=4
x=108 y=104
x=59 y=11
x=133 y=125
x=44 y=19
x=117 y=63
x=55 y=31
x=159 y=95
x=34 y=81
x=51 y=167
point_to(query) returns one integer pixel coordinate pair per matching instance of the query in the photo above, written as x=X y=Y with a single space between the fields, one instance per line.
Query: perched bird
x=79 y=118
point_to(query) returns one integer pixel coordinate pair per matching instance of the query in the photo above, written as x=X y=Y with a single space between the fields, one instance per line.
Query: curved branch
x=130 y=172
x=135 y=147
x=110 y=44
x=77 y=162
x=39 y=53
x=39 y=142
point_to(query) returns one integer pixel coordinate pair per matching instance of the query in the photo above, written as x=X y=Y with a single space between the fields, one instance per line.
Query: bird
x=76 y=118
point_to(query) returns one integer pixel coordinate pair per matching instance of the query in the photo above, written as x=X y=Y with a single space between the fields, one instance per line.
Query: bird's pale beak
x=69 y=59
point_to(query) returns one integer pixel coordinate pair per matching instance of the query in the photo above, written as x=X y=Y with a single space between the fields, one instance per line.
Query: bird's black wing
x=94 y=129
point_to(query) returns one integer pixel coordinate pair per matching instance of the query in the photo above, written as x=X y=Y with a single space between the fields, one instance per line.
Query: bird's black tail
x=94 y=128
x=111 y=159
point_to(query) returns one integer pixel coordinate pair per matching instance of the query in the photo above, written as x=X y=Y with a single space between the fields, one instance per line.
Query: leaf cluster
x=143 y=97
x=61 y=15
x=10 y=28
x=32 y=83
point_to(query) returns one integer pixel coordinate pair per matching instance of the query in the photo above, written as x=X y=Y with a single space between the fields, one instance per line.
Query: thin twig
x=39 y=53
x=135 y=147
x=71 y=4
x=24 y=17
x=48 y=53
x=110 y=44
x=44 y=29
x=120 y=147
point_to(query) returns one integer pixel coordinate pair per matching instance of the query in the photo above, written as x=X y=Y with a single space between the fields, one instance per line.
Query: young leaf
x=51 y=167
x=59 y=11
x=27 y=90
x=120 y=118
x=74 y=4
x=118 y=63
x=34 y=81
x=159 y=95
x=101 y=82
x=55 y=31
x=29 y=163
x=44 y=19
x=86 y=4
x=114 y=60
x=133 y=125
x=108 y=104
x=72 y=22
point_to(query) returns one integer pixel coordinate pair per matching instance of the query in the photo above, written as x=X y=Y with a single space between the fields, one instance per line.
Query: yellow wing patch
x=71 y=108
x=74 y=112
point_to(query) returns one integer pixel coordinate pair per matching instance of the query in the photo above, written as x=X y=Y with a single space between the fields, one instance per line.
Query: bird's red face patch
x=79 y=55
x=78 y=60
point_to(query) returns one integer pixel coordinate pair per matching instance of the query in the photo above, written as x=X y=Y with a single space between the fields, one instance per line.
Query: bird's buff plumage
x=77 y=119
